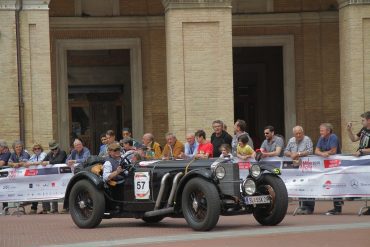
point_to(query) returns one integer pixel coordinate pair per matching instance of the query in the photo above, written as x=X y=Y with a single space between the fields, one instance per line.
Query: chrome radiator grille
x=230 y=184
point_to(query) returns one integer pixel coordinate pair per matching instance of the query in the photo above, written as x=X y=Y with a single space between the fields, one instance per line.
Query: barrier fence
x=310 y=177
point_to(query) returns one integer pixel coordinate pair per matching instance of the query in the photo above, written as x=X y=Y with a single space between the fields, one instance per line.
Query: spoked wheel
x=87 y=204
x=273 y=213
x=200 y=204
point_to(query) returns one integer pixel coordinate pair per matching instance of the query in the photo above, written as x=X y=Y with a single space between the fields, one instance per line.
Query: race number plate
x=141 y=181
x=256 y=200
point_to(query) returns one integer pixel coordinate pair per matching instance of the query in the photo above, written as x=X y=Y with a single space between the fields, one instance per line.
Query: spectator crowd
x=197 y=146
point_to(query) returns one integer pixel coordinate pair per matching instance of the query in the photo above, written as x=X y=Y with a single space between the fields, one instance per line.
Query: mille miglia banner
x=35 y=183
x=318 y=177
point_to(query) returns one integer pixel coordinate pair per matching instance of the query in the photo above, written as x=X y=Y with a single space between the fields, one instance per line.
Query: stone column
x=199 y=64
x=354 y=38
x=9 y=108
x=35 y=53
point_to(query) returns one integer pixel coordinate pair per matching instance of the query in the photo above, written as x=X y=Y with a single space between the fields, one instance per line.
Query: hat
x=114 y=146
x=3 y=144
x=53 y=144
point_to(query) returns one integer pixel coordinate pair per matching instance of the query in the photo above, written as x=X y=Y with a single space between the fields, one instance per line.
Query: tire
x=275 y=212
x=152 y=220
x=93 y=205
x=204 y=196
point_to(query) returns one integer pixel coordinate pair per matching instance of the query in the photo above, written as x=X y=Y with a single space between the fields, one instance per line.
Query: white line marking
x=217 y=234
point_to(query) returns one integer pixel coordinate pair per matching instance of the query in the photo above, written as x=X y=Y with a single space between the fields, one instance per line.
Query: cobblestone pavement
x=345 y=230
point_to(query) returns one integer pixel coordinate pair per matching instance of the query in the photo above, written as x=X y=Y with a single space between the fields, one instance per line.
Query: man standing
x=328 y=144
x=191 y=147
x=79 y=154
x=239 y=129
x=363 y=135
x=298 y=146
x=219 y=137
x=273 y=145
x=173 y=148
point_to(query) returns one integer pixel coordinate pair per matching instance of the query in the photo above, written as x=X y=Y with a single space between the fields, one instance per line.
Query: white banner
x=317 y=177
x=35 y=183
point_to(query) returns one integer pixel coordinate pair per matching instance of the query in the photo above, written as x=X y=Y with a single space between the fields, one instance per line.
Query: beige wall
x=354 y=66
x=9 y=110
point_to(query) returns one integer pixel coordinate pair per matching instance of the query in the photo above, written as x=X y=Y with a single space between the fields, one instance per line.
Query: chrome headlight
x=255 y=171
x=249 y=186
x=220 y=172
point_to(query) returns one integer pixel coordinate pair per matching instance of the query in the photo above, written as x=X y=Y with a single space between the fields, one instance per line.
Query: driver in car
x=112 y=171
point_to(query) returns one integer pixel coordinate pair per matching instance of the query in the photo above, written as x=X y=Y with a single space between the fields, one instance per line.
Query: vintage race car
x=198 y=190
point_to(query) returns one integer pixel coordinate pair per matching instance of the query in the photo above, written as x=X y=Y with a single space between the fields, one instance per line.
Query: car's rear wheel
x=86 y=204
x=153 y=219
x=273 y=213
x=201 y=204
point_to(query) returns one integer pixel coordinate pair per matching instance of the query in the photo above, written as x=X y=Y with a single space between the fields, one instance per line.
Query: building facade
x=79 y=67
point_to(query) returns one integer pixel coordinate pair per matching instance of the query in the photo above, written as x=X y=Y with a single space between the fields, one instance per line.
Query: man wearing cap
x=112 y=171
x=79 y=154
x=55 y=156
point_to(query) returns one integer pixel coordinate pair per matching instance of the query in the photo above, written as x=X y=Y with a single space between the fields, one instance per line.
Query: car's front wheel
x=201 y=204
x=273 y=213
x=86 y=204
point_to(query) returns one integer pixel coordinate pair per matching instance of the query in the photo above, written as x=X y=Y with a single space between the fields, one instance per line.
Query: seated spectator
x=225 y=150
x=111 y=138
x=205 y=148
x=103 y=140
x=126 y=133
x=19 y=157
x=298 y=146
x=273 y=145
x=4 y=157
x=191 y=147
x=79 y=153
x=173 y=148
x=55 y=156
x=4 y=153
x=243 y=150
x=38 y=155
x=154 y=150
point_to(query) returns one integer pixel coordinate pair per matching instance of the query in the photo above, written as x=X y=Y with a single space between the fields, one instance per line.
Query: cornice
x=195 y=4
x=344 y=3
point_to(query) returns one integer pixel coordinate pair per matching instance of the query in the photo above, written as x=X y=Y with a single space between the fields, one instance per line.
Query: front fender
x=94 y=179
x=271 y=168
x=203 y=173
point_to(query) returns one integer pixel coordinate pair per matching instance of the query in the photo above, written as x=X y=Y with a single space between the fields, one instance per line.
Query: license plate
x=257 y=200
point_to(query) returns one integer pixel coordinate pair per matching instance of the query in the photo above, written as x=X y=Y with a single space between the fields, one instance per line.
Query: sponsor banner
x=35 y=183
x=318 y=177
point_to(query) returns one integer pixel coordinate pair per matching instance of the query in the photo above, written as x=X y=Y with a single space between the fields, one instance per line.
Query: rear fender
x=94 y=179
x=206 y=174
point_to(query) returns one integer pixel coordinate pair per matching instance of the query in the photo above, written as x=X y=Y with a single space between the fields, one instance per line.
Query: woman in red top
x=205 y=148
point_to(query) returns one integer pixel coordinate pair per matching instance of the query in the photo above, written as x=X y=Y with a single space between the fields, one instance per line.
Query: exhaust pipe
x=174 y=187
x=161 y=190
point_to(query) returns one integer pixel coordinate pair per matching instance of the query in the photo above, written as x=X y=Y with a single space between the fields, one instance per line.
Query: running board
x=159 y=212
